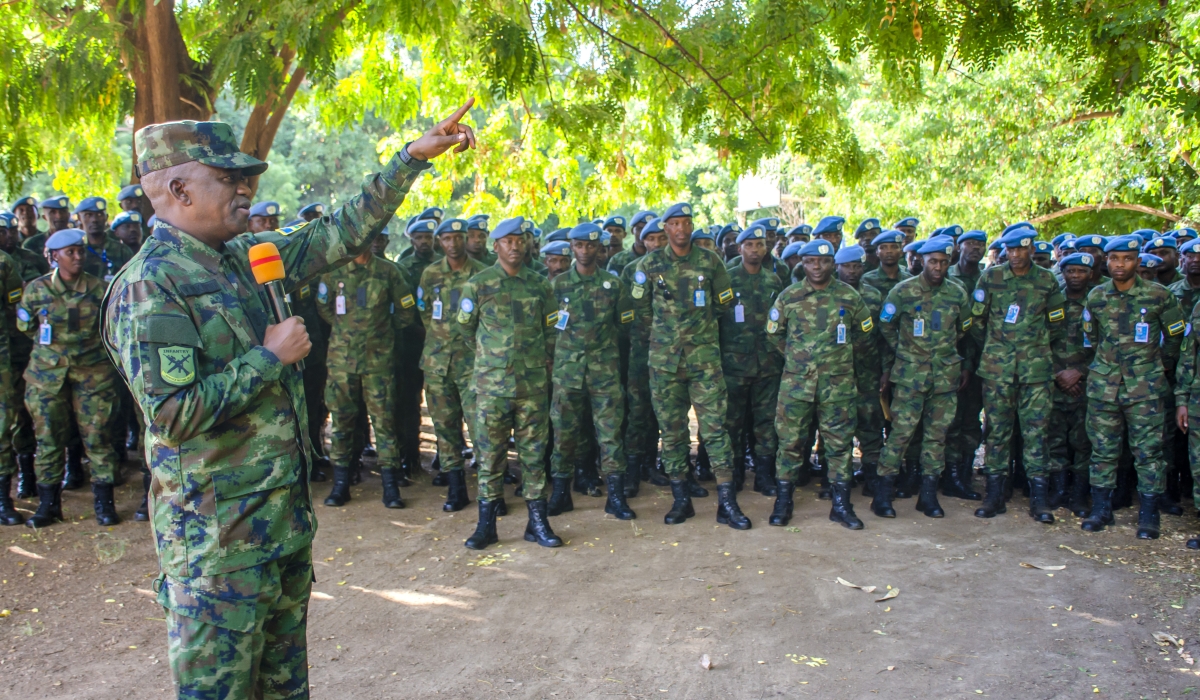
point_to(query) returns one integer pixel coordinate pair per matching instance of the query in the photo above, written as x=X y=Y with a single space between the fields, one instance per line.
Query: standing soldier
x=770 y=263
x=1166 y=248
x=1043 y=255
x=127 y=227
x=614 y=226
x=829 y=229
x=592 y=305
x=922 y=320
x=366 y=303
x=868 y=366
x=966 y=431
x=683 y=289
x=448 y=358
x=105 y=255
x=750 y=361
x=1018 y=313
x=68 y=377
x=57 y=213
x=641 y=429
x=908 y=226
x=818 y=325
x=477 y=241
x=10 y=279
x=557 y=257
x=26 y=211
x=637 y=248
x=264 y=216
x=888 y=246
x=132 y=200
x=1136 y=328
x=1187 y=289
x=865 y=234
x=1067 y=445
x=311 y=212
x=410 y=381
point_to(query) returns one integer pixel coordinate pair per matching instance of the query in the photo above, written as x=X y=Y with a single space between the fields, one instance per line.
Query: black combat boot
x=102 y=503
x=457 y=497
x=842 y=511
x=1148 y=520
x=825 y=490
x=587 y=480
x=26 y=476
x=954 y=485
x=339 y=495
x=1193 y=542
x=927 y=501
x=902 y=481
x=8 y=514
x=658 y=473
x=485 y=531
x=993 y=502
x=633 y=476
x=1057 y=497
x=870 y=477
x=681 y=508
x=49 y=506
x=560 y=496
x=320 y=470
x=1166 y=505
x=142 y=514
x=538 y=528
x=703 y=464
x=1039 y=499
x=501 y=507
x=739 y=472
x=1079 y=493
x=728 y=512
x=391 y=488
x=881 y=505
x=616 y=505
x=695 y=490
x=440 y=478
x=73 y=479
x=764 y=475
x=784 y=502
x=1102 y=510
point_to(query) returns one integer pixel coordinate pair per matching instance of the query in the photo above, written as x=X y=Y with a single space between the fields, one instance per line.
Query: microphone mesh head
x=266 y=263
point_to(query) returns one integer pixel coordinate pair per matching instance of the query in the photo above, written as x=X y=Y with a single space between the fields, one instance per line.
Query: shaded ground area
x=402 y=610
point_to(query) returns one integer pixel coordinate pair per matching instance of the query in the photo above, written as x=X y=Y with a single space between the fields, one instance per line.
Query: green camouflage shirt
x=107 y=260
x=921 y=326
x=639 y=330
x=512 y=320
x=769 y=263
x=226 y=423
x=684 y=297
x=590 y=311
x=413 y=266
x=29 y=266
x=1077 y=350
x=376 y=301
x=745 y=349
x=438 y=297
x=877 y=279
x=72 y=341
x=818 y=332
x=868 y=359
x=1019 y=323
x=618 y=262
x=1186 y=295
x=1132 y=362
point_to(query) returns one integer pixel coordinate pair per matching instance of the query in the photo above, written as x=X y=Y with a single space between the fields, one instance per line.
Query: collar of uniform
x=187 y=245
x=925 y=284
x=60 y=285
x=807 y=288
x=691 y=253
x=1138 y=285
x=577 y=278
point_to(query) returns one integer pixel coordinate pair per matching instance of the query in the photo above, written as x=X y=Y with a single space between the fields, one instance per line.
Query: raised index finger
x=458 y=113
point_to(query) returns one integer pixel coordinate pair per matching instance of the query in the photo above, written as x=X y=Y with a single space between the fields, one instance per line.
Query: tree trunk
x=268 y=114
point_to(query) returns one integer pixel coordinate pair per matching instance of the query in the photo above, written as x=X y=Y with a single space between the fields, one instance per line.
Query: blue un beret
x=849 y=254
x=703 y=233
x=431 y=213
x=585 y=232
x=937 y=232
x=509 y=227
x=606 y=239
x=130 y=192
x=127 y=217
x=652 y=226
x=557 y=248
x=1043 y=247
x=425 y=226
x=1058 y=240
x=1161 y=241
x=678 y=210
x=829 y=224
x=618 y=221
x=24 y=200
x=753 y=231
x=559 y=234
x=1090 y=241
x=1149 y=261
x=479 y=221
x=91 y=204
x=769 y=223
x=1018 y=238
x=995 y=245
x=791 y=249
x=59 y=202
x=914 y=246
x=866 y=226
x=642 y=217
x=973 y=235
x=1081 y=259
x=727 y=229
x=888 y=237
x=936 y=244
x=908 y=221
x=7 y=220
x=1191 y=246
x=1013 y=227
x=64 y=239
x=314 y=208
x=1123 y=243
x=451 y=226
x=1068 y=245
x=1146 y=234
x=818 y=247
x=801 y=230
x=953 y=231
x=1183 y=232
x=265 y=209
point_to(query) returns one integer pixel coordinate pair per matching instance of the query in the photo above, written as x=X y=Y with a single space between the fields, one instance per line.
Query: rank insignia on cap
x=1131 y=244
x=100 y=205
x=823 y=250
x=1087 y=259
x=1025 y=242
x=686 y=209
x=176 y=365
x=455 y=225
x=271 y=211
x=980 y=295
x=618 y=221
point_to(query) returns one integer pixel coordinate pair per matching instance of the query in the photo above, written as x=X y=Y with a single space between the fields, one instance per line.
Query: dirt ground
x=401 y=610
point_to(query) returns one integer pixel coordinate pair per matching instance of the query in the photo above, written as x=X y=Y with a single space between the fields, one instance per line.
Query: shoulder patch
x=289 y=230
x=867 y=325
x=638 y=291
x=725 y=297
x=1057 y=315
x=23 y=319
x=978 y=309
x=966 y=325
x=772 y=326
x=407 y=301
x=639 y=277
x=551 y=318
x=177 y=365
x=1176 y=328
x=170 y=329
x=15 y=295
x=626 y=317
x=774 y=313
x=1087 y=315
x=980 y=295
x=466 y=306
x=888 y=313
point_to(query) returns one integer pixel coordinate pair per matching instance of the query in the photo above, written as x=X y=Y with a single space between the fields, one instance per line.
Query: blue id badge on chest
x=699 y=298
x=841 y=334
x=563 y=317
x=437 y=310
x=918 y=328
x=739 y=314
x=45 y=334
x=1013 y=312
x=1141 y=333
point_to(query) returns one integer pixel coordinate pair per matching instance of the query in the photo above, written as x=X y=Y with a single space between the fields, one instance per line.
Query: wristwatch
x=410 y=161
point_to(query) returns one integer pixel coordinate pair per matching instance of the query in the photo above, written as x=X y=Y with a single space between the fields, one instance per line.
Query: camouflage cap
x=164 y=145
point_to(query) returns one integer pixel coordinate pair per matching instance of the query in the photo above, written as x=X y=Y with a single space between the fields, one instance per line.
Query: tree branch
x=1085 y=117
x=628 y=45
x=1162 y=214
x=538 y=43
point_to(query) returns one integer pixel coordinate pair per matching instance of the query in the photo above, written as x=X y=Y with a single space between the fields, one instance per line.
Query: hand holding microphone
x=288 y=338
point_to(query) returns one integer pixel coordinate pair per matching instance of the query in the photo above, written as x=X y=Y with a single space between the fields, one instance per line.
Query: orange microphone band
x=266 y=263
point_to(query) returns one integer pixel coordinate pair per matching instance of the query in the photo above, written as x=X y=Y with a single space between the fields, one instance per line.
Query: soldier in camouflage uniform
x=410 y=380
x=1018 y=312
x=1187 y=289
x=864 y=234
x=366 y=303
x=818 y=325
x=1166 y=248
x=637 y=248
x=127 y=228
x=922 y=320
x=26 y=213
x=57 y=213
x=1067 y=445
x=510 y=311
x=868 y=366
x=592 y=305
x=966 y=430
x=889 y=248
x=478 y=247
x=750 y=362
x=770 y=263
x=11 y=282
x=68 y=377
x=190 y=331
x=1124 y=318
x=105 y=254
x=641 y=429
x=681 y=290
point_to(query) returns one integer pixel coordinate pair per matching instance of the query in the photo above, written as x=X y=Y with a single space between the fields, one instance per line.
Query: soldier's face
x=818 y=268
x=70 y=261
x=679 y=230
x=93 y=222
x=617 y=240
x=1076 y=277
x=1191 y=263
x=910 y=233
x=637 y=237
x=10 y=238
x=971 y=251
x=379 y=244
x=934 y=267
x=850 y=272
x=130 y=204
x=792 y=262
x=772 y=236
x=212 y=204
x=706 y=243
x=130 y=234
x=58 y=219
x=511 y=250
x=1148 y=273
x=834 y=237
x=1020 y=257
x=1123 y=264
x=422 y=242
x=654 y=241
x=453 y=245
x=914 y=262
x=1170 y=257
x=587 y=253
x=1042 y=260
x=889 y=253
x=753 y=250
x=557 y=264
x=258 y=224
x=26 y=216
x=476 y=242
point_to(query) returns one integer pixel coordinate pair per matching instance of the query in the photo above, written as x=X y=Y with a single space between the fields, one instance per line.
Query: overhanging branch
x=1162 y=214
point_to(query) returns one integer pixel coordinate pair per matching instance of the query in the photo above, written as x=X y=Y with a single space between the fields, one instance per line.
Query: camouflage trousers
x=966 y=430
x=88 y=396
x=869 y=426
x=569 y=410
x=912 y=408
x=315 y=375
x=347 y=395
x=1193 y=439
x=409 y=380
x=1067 y=444
x=9 y=400
x=641 y=427
x=1106 y=425
x=795 y=420
x=449 y=398
x=1009 y=406
x=24 y=439
x=526 y=420
x=752 y=404
x=243 y=634
x=701 y=387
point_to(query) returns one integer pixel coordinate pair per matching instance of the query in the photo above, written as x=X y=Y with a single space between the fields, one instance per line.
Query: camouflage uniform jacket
x=35 y=243
x=107 y=260
x=745 y=349
x=29 y=266
x=512 y=321
x=1186 y=294
x=805 y=325
x=1077 y=349
x=489 y=258
x=226 y=423
x=1124 y=369
x=682 y=298
x=868 y=359
x=413 y=266
x=877 y=279
x=73 y=313
x=769 y=263
x=638 y=332
x=438 y=297
x=593 y=307
x=1173 y=277
x=928 y=361
x=1019 y=323
x=377 y=302
x=618 y=262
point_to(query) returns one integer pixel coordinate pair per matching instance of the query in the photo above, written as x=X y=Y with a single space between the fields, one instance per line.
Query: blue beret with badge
x=914 y=246
x=59 y=202
x=829 y=224
x=65 y=239
x=936 y=244
x=1019 y=238
x=314 y=208
x=127 y=217
x=752 y=231
x=642 y=217
x=478 y=222
x=1192 y=246
x=680 y=209
x=451 y=226
x=606 y=241
x=953 y=231
x=652 y=226
x=7 y=220
x=703 y=233
x=888 y=237
x=557 y=248
x=91 y=204
x=769 y=223
x=509 y=227
x=973 y=235
x=1043 y=247
x=1058 y=240
x=130 y=192
x=561 y=234
x=431 y=213
x=24 y=200
x=1013 y=227
x=849 y=254
x=420 y=226
x=818 y=248
x=907 y=222
x=1090 y=241
x=584 y=232
x=1160 y=241
x=1146 y=234
x=866 y=226
x=616 y=221
x=1182 y=232
x=728 y=229
x=801 y=230
x=792 y=249
x=1081 y=259
x=1123 y=243
x=937 y=232
x=1149 y=261
x=265 y=209
x=1068 y=245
